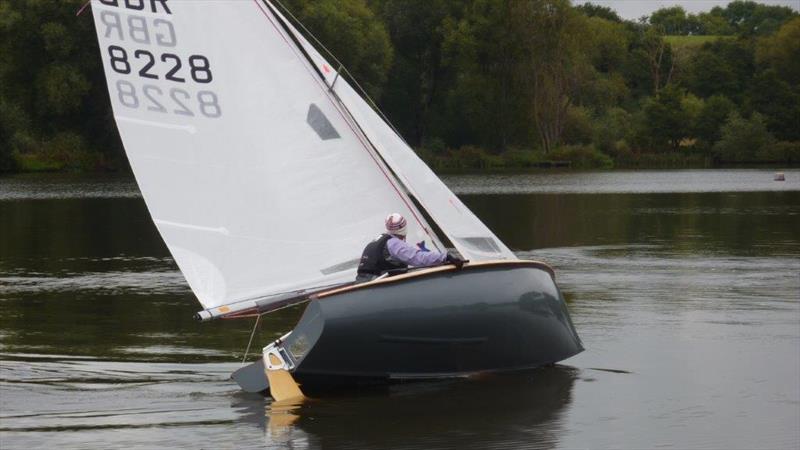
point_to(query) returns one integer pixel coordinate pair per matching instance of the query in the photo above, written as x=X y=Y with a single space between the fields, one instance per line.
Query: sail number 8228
x=199 y=66
x=176 y=100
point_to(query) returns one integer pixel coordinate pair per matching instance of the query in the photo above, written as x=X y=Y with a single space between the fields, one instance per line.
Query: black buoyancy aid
x=375 y=260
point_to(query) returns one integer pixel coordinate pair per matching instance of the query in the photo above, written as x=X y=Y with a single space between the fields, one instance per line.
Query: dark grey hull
x=443 y=323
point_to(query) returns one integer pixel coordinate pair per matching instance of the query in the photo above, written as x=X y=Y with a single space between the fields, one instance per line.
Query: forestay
x=469 y=235
x=253 y=174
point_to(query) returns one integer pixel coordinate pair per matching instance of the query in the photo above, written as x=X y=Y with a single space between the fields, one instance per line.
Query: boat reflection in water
x=523 y=408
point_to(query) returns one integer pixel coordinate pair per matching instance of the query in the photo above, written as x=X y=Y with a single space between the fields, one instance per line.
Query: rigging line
x=293 y=34
x=341 y=67
x=429 y=229
x=253 y=333
x=366 y=145
x=417 y=205
x=297 y=21
x=83 y=8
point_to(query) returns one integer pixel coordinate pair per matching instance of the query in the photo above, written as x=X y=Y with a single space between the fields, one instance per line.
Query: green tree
x=781 y=52
x=672 y=20
x=601 y=91
x=659 y=55
x=743 y=139
x=667 y=121
x=578 y=126
x=712 y=116
x=501 y=74
x=778 y=103
x=613 y=128
x=606 y=47
x=517 y=62
x=723 y=67
x=636 y=68
x=51 y=81
x=418 y=77
x=603 y=12
x=558 y=62
x=10 y=118
x=354 y=34
x=606 y=44
x=751 y=18
x=713 y=25
x=487 y=52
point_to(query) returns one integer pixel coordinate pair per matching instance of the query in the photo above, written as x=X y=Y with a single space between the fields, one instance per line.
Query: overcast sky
x=633 y=9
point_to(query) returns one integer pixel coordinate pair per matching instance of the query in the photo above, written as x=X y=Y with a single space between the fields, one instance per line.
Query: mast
x=421 y=215
x=432 y=198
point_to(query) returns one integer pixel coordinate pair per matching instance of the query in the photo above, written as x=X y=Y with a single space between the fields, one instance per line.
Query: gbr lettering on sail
x=153 y=72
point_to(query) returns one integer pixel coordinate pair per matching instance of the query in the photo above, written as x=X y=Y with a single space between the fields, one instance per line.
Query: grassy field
x=692 y=42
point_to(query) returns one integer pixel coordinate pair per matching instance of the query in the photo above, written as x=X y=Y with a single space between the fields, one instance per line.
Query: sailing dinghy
x=266 y=173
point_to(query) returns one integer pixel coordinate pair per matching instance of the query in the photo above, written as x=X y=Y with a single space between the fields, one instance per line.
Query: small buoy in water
x=780 y=177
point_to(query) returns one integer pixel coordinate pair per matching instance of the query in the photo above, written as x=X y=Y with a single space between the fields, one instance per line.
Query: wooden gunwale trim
x=435 y=270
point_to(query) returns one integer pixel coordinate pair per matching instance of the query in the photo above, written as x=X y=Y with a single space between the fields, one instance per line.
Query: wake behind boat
x=241 y=135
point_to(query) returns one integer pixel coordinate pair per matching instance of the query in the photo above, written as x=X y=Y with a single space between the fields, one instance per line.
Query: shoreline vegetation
x=475 y=85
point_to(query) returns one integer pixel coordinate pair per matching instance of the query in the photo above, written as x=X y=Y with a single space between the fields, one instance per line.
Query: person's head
x=396 y=225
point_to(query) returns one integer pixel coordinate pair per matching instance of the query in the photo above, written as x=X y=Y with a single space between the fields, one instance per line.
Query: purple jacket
x=409 y=254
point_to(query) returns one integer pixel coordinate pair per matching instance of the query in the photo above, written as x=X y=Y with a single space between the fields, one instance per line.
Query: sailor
x=391 y=253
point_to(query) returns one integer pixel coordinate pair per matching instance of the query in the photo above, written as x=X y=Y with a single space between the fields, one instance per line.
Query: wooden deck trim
x=435 y=270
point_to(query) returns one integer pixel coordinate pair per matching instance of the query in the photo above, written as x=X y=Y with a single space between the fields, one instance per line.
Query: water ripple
x=65 y=186
x=112 y=283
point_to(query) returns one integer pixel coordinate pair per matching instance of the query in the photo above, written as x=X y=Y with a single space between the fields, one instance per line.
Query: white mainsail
x=467 y=233
x=257 y=180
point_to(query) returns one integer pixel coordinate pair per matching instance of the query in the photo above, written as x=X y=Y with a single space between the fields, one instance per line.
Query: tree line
x=469 y=83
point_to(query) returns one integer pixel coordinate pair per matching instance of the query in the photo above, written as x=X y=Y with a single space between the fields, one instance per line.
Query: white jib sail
x=256 y=180
x=470 y=236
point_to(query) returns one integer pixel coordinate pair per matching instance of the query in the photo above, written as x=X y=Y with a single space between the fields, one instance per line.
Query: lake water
x=684 y=286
